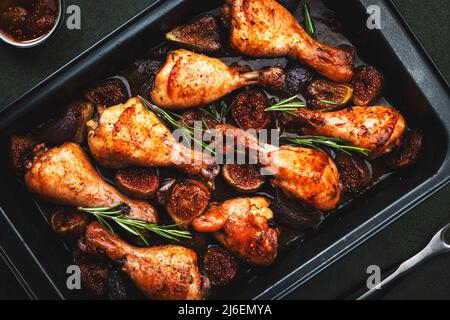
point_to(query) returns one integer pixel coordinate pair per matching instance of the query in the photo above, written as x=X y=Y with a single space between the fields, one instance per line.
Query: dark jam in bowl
x=26 y=20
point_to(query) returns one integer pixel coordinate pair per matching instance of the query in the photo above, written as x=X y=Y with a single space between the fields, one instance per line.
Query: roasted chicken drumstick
x=244 y=227
x=308 y=175
x=130 y=135
x=264 y=28
x=188 y=80
x=64 y=175
x=377 y=128
x=162 y=273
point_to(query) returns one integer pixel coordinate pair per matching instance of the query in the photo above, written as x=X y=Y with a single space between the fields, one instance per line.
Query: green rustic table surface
x=22 y=69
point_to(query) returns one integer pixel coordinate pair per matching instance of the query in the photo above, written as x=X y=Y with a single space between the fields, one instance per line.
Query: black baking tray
x=39 y=259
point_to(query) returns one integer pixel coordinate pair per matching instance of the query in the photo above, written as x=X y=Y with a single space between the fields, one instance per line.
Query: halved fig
x=354 y=173
x=298 y=77
x=248 y=110
x=220 y=266
x=94 y=272
x=107 y=93
x=408 y=152
x=201 y=34
x=190 y=117
x=245 y=178
x=69 y=223
x=367 y=84
x=21 y=152
x=187 y=199
x=69 y=126
x=141 y=183
x=327 y=95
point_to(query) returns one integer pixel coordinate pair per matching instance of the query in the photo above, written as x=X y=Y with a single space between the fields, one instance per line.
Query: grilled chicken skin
x=377 y=128
x=243 y=226
x=64 y=175
x=189 y=79
x=129 y=135
x=306 y=174
x=264 y=28
x=162 y=273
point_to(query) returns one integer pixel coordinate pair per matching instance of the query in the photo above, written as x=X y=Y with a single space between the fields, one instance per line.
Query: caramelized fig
x=21 y=152
x=327 y=95
x=187 y=199
x=141 y=183
x=354 y=173
x=248 y=110
x=70 y=126
x=201 y=34
x=220 y=266
x=408 y=152
x=189 y=118
x=94 y=272
x=367 y=84
x=298 y=77
x=108 y=93
x=244 y=178
x=69 y=223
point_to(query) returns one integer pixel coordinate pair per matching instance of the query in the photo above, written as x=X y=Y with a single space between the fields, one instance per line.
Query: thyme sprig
x=117 y=214
x=173 y=119
x=335 y=143
x=309 y=23
x=287 y=105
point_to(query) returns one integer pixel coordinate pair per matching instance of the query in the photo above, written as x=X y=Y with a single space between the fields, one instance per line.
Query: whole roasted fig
x=201 y=34
x=248 y=110
x=367 y=84
x=298 y=77
x=327 y=95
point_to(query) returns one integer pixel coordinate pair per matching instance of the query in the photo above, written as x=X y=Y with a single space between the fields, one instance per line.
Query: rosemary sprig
x=173 y=119
x=287 y=105
x=134 y=226
x=218 y=116
x=334 y=143
x=309 y=24
x=328 y=102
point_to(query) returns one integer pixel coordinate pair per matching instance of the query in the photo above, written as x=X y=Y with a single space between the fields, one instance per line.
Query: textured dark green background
x=20 y=70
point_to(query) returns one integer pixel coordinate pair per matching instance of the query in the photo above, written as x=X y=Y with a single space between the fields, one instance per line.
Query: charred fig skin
x=248 y=110
x=187 y=199
x=408 y=152
x=298 y=77
x=202 y=35
x=244 y=178
x=220 y=266
x=69 y=223
x=368 y=85
x=189 y=119
x=108 y=93
x=326 y=95
x=354 y=173
x=140 y=183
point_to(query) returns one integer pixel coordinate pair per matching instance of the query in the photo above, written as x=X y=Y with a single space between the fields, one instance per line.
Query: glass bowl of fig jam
x=28 y=23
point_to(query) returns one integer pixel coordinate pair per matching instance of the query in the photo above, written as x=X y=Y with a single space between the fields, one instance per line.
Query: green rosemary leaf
x=309 y=24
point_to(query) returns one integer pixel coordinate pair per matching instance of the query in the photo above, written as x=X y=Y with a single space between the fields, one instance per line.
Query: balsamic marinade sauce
x=25 y=20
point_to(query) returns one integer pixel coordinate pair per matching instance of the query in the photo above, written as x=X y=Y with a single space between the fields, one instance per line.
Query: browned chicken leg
x=130 y=135
x=64 y=175
x=244 y=227
x=376 y=128
x=308 y=175
x=264 y=28
x=162 y=273
x=189 y=80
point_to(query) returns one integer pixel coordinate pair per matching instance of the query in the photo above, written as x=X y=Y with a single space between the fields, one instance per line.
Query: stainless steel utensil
x=439 y=244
